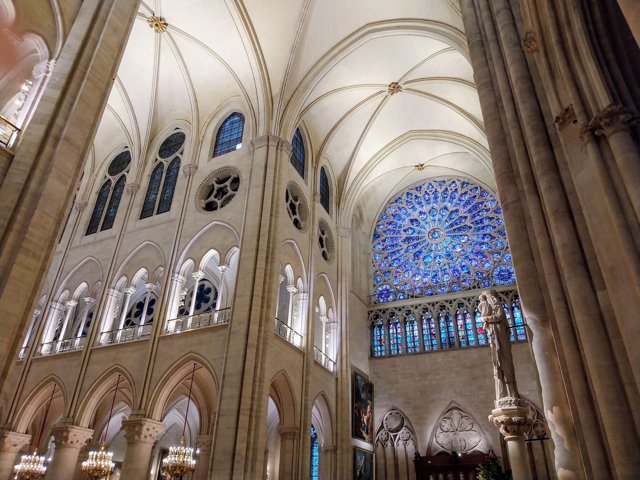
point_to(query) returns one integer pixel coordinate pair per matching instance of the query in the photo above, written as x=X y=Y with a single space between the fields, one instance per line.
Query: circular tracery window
x=216 y=192
x=325 y=241
x=443 y=236
x=296 y=206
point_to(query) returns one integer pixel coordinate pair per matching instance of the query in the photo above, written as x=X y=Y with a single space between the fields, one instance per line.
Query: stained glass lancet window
x=108 y=200
x=379 y=337
x=325 y=192
x=411 y=329
x=229 y=136
x=429 y=334
x=442 y=236
x=315 y=455
x=395 y=337
x=297 y=154
x=165 y=174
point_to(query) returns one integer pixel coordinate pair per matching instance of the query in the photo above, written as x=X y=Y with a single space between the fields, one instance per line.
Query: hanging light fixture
x=100 y=464
x=180 y=460
x=32 y=467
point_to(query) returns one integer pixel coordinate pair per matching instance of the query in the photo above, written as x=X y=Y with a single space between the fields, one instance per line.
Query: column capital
x=223 y=268
x=130 y=290
x=289 y=432
x=132 y=188
x=198 y=275
x=611 y=119
x=37 y=312
x=189 y=169
x=89 y=300
x=71 y=303
x=292 y=289
x=266 y=141
x=142 y=430
x=71 y=436
x=512 y=416
x=56 y=306
x=79 y=206
x=13 y=442
x=204 y=442
x=178 y=277
x=151 y=287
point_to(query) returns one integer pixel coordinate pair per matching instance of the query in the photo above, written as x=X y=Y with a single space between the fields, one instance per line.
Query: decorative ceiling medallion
x=420 y=167
x=394 y=87
x=159 y=24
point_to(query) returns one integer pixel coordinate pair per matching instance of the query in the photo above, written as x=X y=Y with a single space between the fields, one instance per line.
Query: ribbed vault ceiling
x=324 y=64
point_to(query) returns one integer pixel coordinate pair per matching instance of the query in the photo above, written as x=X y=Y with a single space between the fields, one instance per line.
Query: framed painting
x=362 y=411
x=362 y=464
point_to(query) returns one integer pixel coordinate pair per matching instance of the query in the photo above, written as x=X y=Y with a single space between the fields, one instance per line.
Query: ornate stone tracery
x=457 y=431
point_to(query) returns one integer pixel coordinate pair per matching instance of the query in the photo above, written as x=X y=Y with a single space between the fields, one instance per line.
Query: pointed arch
x=98 y=393
x=322 y=420
x=38 y=399
x=174 y=384
x=282 y=394
x=459 y=431
x=229 y=136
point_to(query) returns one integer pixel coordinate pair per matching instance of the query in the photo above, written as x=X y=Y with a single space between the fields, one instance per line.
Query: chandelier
x=99 y=464
x=180 y=460
x=32 y=467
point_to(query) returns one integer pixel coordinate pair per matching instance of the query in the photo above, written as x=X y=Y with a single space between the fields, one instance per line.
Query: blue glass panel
x=229 y=135
x=99 y=207
x=429 y=334
x=114 y=203
x=297 y=154
x=169 y=187
x=172 y=145
x=443 y=236
x=379 y=338
x=413 y=339
x=521 y=333
x=315 y=455
x=462 y=332
x=155 y=179
x=325 y=194
x=395 y=337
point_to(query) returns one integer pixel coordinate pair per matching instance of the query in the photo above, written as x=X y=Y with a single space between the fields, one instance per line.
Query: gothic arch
x=38 y=398
x=148 y=255
x=396 y=444
x=88 y=412
x=282 y=394
x=88 y=270
x=322 y=420
x=174 y=384
x=456 y=430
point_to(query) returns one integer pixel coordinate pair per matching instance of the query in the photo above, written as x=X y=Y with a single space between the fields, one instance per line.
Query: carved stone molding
x=159 y=24
x=457 y=431
x=204 y=442
x=13 y=442
x=612 y=119
x=267 y=141
x=79 y=206
x=513 y=422
x=344 y=232
x=394 y=87
x=567 y=116
x=530 y=43
x=396 y=430
x=142 y=430
x=132 y=188
x=189 y=169
x=71 y=436
x=510 y=402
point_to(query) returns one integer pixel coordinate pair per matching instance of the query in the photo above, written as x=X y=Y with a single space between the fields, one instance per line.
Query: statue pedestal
x=513 y=418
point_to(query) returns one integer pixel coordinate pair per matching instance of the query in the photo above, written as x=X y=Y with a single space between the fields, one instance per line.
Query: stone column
x=125 y=308
x=203 y=451
x=223 y=293
x=197 y=276
x=177 y=285
x=11 y=443
x=151 y=288
x=514 y=418
x=327 y=459
x=68 y=319
x=288 y=452
x=40 y=181
x=90 y=303
x=141 y=435
x=53 y=318
x=69 y=440
x=27 y=339
x=78 y=474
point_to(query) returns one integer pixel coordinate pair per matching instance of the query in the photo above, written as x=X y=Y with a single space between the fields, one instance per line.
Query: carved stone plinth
x=514 y=418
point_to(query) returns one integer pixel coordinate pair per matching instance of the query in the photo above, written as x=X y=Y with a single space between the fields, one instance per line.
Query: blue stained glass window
x=447 y=330
x=297 y=154
x=379 y=338
x=469 y=327
x=395 y=337
x=98 y=209
x=169 y=186
x=462 y=332
x=229 y=136
x=134 y=316
x=87 y=324
x=443 y=236
x=411 y=329
x=512 y=331
x=152 y=191
x=429 y=333
x=206 y=298
x=114 y=203
x=521 y=333
x=325 y=193
x=482 y=335
x=315 y=455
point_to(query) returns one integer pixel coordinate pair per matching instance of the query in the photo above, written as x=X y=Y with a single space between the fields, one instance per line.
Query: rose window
x=296 y=207
x=206 y=298
x=219 y=191
x=443 y=236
